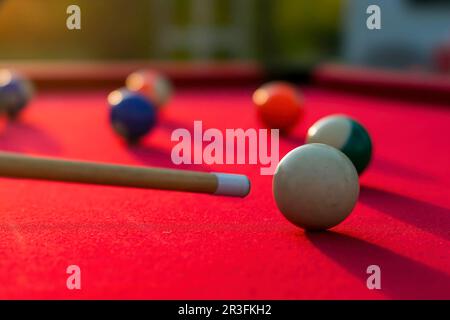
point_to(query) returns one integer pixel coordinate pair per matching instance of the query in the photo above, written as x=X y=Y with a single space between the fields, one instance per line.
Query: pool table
x=154 y=244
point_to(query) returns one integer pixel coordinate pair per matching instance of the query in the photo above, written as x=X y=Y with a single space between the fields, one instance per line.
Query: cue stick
x=14 y=165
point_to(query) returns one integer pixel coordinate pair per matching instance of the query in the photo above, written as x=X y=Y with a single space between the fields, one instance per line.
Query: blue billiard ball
x=132 y=115
x=15 y=93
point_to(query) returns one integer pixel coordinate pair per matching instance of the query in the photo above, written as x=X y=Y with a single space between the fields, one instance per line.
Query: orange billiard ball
x=279 y=105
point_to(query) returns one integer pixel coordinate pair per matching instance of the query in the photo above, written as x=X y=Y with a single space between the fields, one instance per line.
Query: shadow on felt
x=24 y=137
x=158 y=157
x=395 y=169
x=401 y=277
x=426 y=216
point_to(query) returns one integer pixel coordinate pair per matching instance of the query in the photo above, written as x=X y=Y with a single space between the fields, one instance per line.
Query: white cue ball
x=315 y=186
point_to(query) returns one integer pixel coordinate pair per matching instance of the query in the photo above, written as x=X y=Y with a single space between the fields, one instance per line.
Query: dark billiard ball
x=279 y=105
x=132 y=115
x=152 y=85
x=345 y=134
x=16 y=91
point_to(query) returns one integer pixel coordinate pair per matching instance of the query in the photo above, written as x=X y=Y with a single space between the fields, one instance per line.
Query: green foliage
x=287 y=30
x=307 y=30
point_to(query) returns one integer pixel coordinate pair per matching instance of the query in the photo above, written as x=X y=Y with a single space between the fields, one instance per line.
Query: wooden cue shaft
x=14 y=165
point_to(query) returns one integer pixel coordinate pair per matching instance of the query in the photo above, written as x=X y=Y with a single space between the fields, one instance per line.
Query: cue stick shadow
x=401 y=277
x=391 y=168
x=24 y=137
x=426 y=216
x=154 y=156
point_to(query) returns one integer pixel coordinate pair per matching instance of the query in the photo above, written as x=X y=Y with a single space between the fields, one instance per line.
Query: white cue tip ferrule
x=235 y=185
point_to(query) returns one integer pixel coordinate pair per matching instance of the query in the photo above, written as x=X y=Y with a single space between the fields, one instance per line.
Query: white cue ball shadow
x=316 y=186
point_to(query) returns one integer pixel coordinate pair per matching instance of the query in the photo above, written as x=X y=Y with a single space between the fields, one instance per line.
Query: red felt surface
x=156 y=244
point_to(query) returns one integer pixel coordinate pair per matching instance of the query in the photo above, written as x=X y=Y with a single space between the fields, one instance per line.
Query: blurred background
x=281 y=34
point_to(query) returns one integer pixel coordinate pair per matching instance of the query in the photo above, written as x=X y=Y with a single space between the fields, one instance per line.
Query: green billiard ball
x=346 y=135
